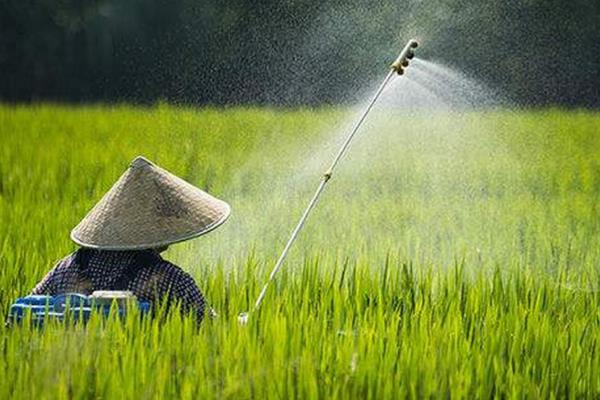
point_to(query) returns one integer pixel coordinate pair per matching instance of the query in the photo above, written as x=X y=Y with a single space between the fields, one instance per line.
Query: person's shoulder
x=66 y=262
x=179 y=280
x=61 y=270
x=170 y=268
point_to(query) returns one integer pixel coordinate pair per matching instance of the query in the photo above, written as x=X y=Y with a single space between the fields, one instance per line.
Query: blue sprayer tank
x=73 y=306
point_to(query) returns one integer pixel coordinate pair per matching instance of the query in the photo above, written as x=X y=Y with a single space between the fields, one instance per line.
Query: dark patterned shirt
x=143 y=272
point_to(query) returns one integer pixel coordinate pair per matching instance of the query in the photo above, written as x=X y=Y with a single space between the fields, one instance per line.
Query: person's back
x=143 y=272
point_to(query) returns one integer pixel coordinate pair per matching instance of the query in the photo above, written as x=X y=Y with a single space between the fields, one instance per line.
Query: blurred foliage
x=289 y=52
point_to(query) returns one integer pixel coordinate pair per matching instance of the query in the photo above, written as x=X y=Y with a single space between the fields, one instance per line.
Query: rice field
x=454 y=256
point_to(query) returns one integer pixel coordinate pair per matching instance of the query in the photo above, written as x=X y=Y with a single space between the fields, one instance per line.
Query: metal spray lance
x=397 y=67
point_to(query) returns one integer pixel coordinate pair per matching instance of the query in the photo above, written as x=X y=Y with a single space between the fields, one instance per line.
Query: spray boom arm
x=397 y=67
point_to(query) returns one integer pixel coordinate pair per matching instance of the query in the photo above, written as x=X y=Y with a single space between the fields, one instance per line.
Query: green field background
x=454 y=254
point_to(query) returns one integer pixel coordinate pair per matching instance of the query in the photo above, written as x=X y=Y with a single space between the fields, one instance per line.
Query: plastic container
x=78 y=307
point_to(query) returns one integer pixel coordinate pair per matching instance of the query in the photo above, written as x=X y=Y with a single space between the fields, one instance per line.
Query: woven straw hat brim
x=155 y=245
x=148 y=207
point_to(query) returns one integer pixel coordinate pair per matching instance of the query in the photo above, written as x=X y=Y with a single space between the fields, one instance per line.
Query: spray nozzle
x=407 y=54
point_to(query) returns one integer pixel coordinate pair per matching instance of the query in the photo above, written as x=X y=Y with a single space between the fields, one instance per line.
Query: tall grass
x=458 y=258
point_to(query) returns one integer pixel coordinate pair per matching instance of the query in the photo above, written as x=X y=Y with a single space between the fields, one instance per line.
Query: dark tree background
x=288 y=52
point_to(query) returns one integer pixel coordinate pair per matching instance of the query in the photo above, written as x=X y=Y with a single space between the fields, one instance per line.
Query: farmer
x=122 y=237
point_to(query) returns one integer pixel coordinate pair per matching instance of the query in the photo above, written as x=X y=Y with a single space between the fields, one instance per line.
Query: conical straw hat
x=149 y=207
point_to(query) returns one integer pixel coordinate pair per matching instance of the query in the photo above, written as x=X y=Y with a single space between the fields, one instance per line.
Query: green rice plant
x=458 y=258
